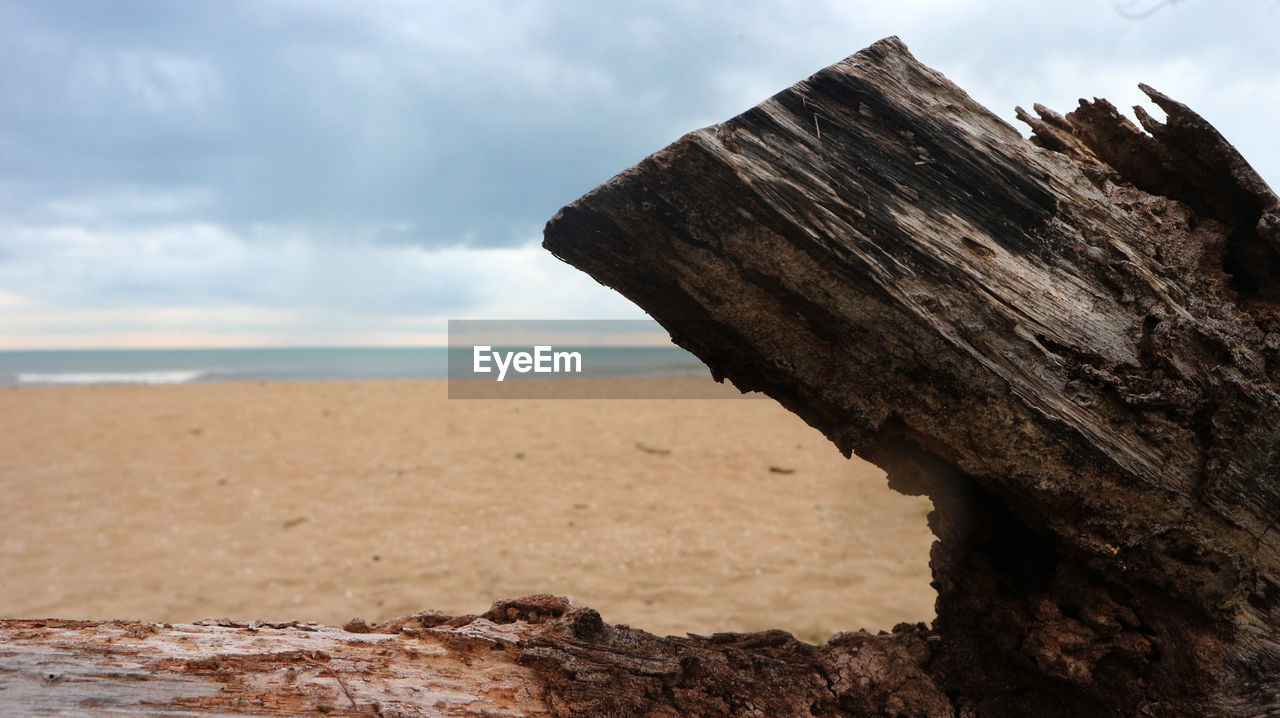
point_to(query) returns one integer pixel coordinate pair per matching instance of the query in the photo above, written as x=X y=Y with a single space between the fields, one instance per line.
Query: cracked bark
x=1071 y=344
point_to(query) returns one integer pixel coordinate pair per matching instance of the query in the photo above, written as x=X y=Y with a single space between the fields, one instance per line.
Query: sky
x=327 y=173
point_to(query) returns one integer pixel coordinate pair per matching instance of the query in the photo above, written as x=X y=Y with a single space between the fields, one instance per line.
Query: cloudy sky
x=319 y=172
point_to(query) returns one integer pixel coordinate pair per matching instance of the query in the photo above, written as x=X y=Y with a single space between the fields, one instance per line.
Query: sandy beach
x=329 y=500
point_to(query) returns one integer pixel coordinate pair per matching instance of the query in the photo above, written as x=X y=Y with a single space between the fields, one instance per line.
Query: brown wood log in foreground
x=535 y=656
x=1071 y=345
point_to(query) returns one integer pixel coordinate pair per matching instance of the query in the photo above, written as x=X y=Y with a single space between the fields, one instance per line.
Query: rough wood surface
x=1071 y=345
x=228 y=668
x=533 y=656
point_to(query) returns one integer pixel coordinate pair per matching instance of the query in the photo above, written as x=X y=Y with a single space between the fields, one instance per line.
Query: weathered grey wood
x=83 y=668
x=1073 y=348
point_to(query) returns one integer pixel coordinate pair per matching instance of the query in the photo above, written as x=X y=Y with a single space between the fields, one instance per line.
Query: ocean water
x=182 y=366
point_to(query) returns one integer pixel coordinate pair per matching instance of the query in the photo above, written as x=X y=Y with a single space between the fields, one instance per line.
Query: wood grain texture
x=1070 y=343
x=128 y=668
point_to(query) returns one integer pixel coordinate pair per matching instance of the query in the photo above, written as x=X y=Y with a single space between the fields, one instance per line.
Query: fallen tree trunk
x=1072 y=345
x=1073 y=349
x=534 y=656
x=229 y=668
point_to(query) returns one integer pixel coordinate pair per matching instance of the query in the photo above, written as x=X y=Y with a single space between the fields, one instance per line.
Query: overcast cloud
x=322 y=172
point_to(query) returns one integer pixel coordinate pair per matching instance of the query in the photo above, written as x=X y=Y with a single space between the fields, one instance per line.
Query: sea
x=185 y=366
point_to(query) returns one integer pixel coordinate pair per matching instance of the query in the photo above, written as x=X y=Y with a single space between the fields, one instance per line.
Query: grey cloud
x=471 y=127
x=183 y=266
x=470 y=123
x=351 y=132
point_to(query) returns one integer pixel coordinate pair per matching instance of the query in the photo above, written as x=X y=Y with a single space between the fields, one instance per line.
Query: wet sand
x=329 y=500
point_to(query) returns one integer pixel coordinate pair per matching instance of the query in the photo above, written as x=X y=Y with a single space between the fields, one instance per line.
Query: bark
x=1071 y=344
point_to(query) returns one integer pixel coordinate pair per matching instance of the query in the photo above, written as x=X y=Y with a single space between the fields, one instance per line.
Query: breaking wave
x=122 y=377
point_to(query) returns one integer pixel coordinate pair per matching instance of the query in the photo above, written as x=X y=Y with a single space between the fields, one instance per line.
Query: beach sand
x=329 y=500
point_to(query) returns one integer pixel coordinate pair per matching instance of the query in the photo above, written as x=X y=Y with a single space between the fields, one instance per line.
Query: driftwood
x=535 y=656
x=229 y=668
x=1072 y=345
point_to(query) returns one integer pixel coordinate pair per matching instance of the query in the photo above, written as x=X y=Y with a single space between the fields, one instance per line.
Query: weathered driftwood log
x=228 y=668
x=526 y=657
x=1072 y=345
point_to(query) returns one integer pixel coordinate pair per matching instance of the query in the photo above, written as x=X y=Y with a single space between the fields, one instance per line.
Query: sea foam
x=181 y=376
